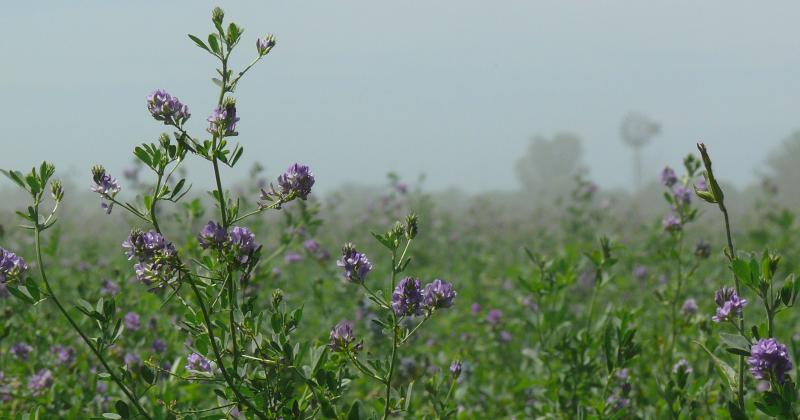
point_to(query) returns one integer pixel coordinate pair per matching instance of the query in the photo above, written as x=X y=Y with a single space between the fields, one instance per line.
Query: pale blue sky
x=452 y=88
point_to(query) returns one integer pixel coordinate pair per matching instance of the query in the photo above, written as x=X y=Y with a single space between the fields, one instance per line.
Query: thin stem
x=732 y=257
x=40 y=263
x=217 y=353
x=392 y=361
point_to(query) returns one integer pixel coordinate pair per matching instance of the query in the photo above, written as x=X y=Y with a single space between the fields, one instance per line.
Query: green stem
x=732 y=257
x=40 y=263
x=395 y=326
x=217 y=353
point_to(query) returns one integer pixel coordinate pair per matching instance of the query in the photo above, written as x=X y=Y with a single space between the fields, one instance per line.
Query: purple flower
x=12 y=267
x=728 y=303
x=505 y=337
x=223 y=120
x=212 y=236
x=311 y=246
x=108 y=287
x=455 y=369
x=132 y=321
x=64 y=355
x=438 y=294
x=689 y=307
x=159 y=346
x=167 y=108
x=264 y=45
x=21 y=350
x=672 y=223
x=640 y=272
x=276 y=272
x=244 y=244
x=297 y=179
x=198 y=363
x=40 y=380
x=494 y=317
x=769 y=359
x=356 y=265
x=668 y=177
x=475 y=308
x=407 y=297
x=702 y=185
x=132 y=359
x=146 y=246
x=104 y=184
x=682 y=194
x=342 y=337
x=292 y=257
x=682 y=365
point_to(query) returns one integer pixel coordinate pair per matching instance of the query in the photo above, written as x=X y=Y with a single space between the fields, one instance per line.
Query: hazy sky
x=451 y=88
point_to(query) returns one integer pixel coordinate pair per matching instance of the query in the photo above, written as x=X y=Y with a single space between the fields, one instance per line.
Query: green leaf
x=725 y=371
x=213 y=43
x=198 y=42
x=355 y=411
x=122 y=409
x=735 y=341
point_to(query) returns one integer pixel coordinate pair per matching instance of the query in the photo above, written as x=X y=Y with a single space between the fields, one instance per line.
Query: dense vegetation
x=264 y=301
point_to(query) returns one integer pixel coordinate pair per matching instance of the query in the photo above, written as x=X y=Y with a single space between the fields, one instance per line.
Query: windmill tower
x=637 y=131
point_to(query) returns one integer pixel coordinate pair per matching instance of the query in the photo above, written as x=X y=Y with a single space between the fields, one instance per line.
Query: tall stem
x=389 y=376
x=732 y=257
x=217 y=354
x=40 y=263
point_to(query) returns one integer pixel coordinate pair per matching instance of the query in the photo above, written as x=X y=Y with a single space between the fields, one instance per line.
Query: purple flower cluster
x=198 y=363
x=213 y=236
x=668 y=177
x=728 y=304
x=132 y=359
x=156 y=256
x=438 y=294
x=292 y=257
x=494 y=317
x=40 y=380
x=683 y=195
x=682 y=365
x=689 y=307
x=243 y=244
x=672 y=223
x=343 y=337
x=640 y=272
x=769 y=359
x=240 y=241
x=265 y=44
x=132 y=321
x=12 y=267
x=21 y=350
x=104 y=184
x=298 y=179
x=407 y=297
x=64 y=355
x=223 y=121
x=455 y=369
x=167 y=108
x=355 y=264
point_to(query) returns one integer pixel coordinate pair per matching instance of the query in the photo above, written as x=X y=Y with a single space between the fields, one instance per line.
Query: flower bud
x=57 y=190
x=411 y=226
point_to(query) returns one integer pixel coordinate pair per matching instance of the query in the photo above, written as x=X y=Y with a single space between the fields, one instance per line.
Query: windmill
x=637 y=131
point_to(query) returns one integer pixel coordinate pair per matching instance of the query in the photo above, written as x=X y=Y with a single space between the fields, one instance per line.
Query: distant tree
x=550 y=166
x=637 y=131
x=785 y=171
